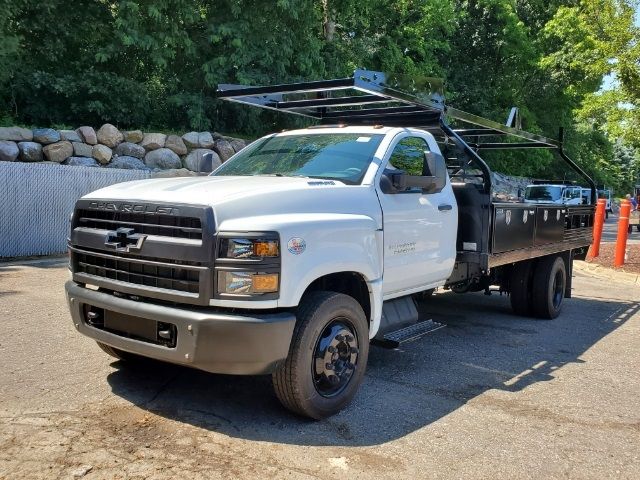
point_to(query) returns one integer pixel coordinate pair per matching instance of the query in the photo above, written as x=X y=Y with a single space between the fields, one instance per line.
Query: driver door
x=419 y=229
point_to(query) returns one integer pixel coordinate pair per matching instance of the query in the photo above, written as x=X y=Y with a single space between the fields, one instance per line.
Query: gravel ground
x=489 y=396
x=607 y=247
x=606 y=257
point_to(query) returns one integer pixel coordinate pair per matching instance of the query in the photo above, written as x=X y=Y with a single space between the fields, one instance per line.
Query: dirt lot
x=490 y=396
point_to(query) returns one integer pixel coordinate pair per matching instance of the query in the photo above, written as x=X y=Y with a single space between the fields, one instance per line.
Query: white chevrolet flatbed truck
x=308 y=245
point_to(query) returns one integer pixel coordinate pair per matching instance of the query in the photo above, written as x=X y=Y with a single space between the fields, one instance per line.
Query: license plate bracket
x=134 y=327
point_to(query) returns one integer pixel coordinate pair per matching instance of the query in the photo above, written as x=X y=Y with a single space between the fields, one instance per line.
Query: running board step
x=408 y=334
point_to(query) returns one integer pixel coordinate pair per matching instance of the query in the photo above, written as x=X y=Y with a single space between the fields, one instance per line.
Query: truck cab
x=605 y=193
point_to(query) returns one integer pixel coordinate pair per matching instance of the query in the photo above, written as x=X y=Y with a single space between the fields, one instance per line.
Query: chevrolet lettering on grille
x=124 y=240
x=134 y=208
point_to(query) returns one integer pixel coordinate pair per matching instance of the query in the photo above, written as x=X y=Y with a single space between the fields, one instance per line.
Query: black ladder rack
x=377 y=98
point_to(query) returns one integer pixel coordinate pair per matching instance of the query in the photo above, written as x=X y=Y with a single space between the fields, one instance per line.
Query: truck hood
x=205 y=190
x=238 y=197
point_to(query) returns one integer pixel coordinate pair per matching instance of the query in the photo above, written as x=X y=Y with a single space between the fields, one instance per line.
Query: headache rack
x=377 y=98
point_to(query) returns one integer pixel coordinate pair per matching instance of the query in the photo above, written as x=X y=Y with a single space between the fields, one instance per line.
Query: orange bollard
x=623 y=227
x=598 y=224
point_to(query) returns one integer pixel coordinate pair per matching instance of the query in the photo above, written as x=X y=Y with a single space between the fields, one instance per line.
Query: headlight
x=249 y=248
x=245 y=283
x=248 y=265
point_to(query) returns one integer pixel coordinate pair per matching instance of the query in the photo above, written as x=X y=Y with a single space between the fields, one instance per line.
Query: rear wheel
x=327 y=357
x=521 y=288
x=549 y=284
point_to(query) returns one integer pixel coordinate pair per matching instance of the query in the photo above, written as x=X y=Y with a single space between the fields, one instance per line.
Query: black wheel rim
x=558 y=289
x=335 y=357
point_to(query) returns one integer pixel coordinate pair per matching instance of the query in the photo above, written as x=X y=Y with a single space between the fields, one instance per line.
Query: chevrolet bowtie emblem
x=124 y=240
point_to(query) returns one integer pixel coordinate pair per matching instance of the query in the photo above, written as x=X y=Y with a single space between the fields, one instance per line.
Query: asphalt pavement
x=610 y=231
x=491 y=395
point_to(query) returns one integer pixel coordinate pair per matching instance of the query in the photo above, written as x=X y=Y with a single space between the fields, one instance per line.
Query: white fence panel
x=36 y=201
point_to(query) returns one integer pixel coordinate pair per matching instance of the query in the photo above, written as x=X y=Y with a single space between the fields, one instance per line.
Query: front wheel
x=327 y=357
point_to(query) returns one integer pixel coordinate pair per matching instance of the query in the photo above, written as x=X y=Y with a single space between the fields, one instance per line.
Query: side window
x=573 y=193
x=408 y=155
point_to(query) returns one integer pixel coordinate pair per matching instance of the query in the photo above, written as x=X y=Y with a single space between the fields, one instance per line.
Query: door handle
x=445 y=207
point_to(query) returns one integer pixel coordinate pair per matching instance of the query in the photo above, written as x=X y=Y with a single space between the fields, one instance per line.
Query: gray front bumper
x=207 y=340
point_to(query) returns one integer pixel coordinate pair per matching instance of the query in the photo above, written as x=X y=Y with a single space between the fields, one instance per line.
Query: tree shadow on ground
x=483 y=347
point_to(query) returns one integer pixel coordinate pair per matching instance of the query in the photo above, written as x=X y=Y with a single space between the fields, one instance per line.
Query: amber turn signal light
x=265 y=283
x=266 y=248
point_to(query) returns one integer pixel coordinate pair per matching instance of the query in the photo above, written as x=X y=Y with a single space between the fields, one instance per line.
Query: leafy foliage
x=156 y=63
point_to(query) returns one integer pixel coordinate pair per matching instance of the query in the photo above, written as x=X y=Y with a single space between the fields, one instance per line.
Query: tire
x=302 y=383
x=521 y=288
x=120 y=354
x=549 y=283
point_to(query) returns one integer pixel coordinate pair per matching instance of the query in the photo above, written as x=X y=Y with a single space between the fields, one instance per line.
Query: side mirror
x=397 y=181
x=205 y=165
x=437 y=171
x=433 y=180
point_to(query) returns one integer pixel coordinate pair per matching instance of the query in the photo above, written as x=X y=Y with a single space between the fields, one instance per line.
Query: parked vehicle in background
x=606 y=194
x=554 y=193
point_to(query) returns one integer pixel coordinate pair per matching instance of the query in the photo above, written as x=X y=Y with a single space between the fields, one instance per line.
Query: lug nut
x=349 y=338
x=329 y=366
x=331 y=349
x=340 y=338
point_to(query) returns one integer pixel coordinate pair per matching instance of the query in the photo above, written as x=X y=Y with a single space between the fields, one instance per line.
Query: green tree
x=156 y=63
x=626 y=167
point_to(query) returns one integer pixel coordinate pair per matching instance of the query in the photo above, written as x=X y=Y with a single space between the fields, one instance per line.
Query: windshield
x=604 y=194
x=335 y=156
x=543 y=192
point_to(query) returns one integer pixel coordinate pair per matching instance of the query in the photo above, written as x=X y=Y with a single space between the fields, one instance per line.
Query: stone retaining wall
x=109 y=147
